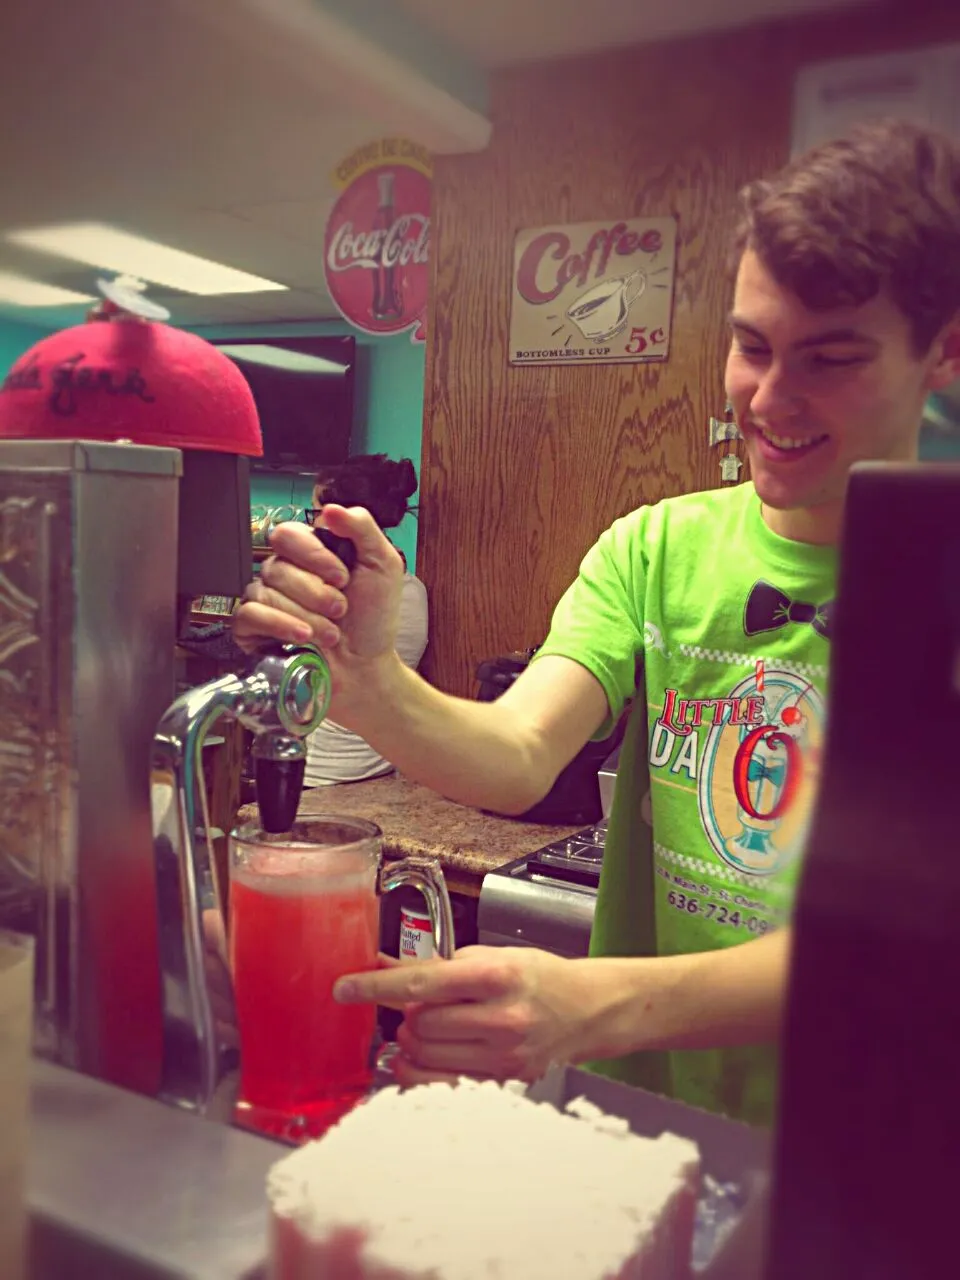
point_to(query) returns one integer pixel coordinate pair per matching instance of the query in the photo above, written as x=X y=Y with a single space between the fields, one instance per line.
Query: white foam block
x=477 y=1181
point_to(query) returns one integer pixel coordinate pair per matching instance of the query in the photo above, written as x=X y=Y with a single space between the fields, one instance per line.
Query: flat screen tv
x=303 y=388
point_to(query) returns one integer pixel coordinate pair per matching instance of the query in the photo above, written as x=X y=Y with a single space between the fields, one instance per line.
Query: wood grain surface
x=523 y=468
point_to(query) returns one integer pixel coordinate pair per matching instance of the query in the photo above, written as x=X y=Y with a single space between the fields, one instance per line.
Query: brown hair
x=876 y=211
x=373 y=481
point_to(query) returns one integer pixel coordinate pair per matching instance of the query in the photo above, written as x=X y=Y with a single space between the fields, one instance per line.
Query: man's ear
x=945 y=369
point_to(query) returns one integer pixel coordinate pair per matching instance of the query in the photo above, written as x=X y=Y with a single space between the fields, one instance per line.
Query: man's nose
x=776 y=397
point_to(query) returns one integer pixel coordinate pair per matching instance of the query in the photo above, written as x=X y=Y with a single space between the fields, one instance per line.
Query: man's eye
x=820 y=361
x=754 y=352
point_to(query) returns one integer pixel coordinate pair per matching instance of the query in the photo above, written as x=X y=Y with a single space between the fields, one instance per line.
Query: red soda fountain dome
x=123 y=377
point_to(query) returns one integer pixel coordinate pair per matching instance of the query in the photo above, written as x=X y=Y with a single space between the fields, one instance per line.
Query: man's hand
x=305 y=593
x=502 y=1013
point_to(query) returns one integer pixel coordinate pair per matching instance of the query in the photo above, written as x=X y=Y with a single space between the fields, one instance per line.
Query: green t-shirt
x=717 y=630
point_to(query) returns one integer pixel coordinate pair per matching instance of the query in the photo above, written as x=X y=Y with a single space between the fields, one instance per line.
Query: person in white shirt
x=384 y=487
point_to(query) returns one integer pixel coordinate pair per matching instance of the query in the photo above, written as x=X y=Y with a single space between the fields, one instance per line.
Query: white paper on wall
x=922 y=85
x=919 y=85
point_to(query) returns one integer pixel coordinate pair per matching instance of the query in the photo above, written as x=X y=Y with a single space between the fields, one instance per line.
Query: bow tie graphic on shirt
x=769 y=609
x=758 y=771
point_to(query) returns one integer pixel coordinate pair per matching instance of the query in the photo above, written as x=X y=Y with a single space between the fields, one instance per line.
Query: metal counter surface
x=120 y=1187
x=124 y=1188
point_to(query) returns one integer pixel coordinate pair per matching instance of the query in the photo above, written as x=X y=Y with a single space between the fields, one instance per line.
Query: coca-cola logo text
x=406 y=240
x=549 y=260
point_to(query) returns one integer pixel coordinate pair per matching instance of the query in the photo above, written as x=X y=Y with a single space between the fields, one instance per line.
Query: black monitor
x=868 y=1128
x=304 y=391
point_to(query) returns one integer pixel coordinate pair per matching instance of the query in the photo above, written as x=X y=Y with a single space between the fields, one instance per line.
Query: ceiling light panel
x=21 y=291
x=110 y=249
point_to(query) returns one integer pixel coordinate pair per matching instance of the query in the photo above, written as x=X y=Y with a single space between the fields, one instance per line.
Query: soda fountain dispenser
x=124 y=492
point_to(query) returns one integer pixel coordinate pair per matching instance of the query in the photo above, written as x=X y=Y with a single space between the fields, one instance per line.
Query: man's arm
x=502 y=755
x=707 y=1000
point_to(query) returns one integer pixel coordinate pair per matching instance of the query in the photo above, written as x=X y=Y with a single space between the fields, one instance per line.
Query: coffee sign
x=593 y=292
x=377 y=241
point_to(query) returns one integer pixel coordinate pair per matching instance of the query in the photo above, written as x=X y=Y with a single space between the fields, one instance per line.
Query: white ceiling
x=134 y=113
x=214 y=128
x=497 y=33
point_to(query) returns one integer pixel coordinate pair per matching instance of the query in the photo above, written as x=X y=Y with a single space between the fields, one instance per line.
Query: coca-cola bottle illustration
x=387 y=302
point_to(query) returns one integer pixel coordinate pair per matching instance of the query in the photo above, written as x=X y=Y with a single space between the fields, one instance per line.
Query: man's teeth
x=787 y=442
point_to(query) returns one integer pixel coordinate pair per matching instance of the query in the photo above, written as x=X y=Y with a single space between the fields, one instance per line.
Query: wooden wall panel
x=522 y=468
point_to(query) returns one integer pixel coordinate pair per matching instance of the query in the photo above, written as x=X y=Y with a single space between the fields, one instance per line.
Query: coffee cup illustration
x=602 y=311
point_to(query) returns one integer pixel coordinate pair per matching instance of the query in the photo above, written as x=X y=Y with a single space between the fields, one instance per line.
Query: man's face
x=816 y=391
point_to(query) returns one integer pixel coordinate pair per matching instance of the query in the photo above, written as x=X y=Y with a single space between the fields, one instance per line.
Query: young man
x=712 y=613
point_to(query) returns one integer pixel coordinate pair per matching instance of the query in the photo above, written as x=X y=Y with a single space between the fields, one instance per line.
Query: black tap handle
x=279 y=787
x=344 y=548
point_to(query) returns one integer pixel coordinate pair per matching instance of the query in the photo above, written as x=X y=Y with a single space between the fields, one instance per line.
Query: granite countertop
x=415 y=820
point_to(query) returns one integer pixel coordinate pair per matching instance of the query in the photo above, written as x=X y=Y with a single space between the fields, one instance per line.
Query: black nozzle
x=343 y=548
x=279 y=787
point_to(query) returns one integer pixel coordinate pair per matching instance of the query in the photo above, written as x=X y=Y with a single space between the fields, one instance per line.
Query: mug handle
x=426 y=875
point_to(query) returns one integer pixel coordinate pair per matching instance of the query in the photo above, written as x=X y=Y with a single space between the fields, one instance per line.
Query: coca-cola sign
x=593 y=292
x=377 y=245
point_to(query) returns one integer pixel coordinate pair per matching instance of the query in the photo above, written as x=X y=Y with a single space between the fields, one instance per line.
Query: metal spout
x=279 y=765
x=282 y=700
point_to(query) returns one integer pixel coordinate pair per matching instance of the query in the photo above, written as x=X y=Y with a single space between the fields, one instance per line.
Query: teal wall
x=388 y=409
x=940 y=446
x=388 y=403
x=16 y=338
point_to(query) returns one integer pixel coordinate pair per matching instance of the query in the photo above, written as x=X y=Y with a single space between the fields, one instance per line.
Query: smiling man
x=710 y=615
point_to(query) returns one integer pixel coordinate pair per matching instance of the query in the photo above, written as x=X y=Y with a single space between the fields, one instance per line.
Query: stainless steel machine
x=546 y=899
x=104 y=861
x=88 y=584
x=103 y=855
x=90 y=579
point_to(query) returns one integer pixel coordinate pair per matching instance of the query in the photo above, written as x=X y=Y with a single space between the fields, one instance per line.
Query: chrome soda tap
x=282 y=699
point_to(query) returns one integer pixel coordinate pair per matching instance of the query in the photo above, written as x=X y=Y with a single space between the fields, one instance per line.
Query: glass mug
x=264 y=519
x=304 y=911
x=258 y=516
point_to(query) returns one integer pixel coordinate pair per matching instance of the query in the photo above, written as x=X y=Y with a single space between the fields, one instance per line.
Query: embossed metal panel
x=88 y=552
